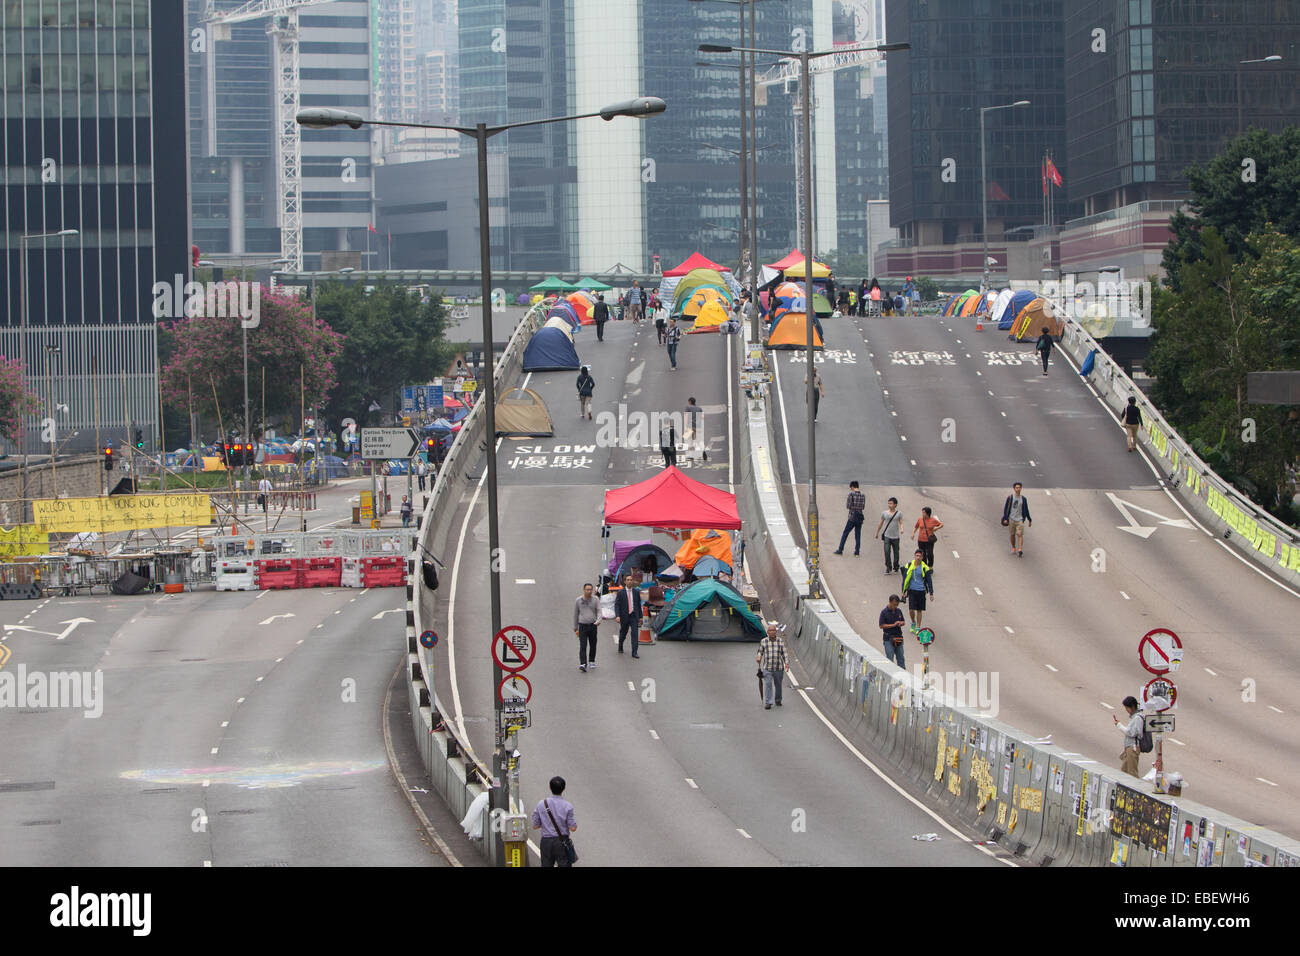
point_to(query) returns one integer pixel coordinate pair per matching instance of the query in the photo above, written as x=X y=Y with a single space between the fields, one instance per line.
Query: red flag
x=371 y=228
x=1053 y=173
x=997 y=194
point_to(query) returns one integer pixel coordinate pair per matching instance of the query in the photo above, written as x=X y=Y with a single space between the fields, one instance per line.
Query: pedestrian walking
x=773 y=662
x=671 y=338
x=1015 y=515
x=856 y=505
x=421 y=470
x=891 y=626
x=634 y=302
x=924 y=534
x=586 y=615
x=1044 y=347
x=917 y=583
x=628 y=609
x=554 y=816
x=862 y=297
x=661 y=324
x=600 y=315
x=887 y=530
x=264 y=495
x=1134 y=731
x=875 y=294
x=668 y=440
x=586 y=385
x=818 y=391
x=405 y=511
x=692 y=425
x=1132 y=421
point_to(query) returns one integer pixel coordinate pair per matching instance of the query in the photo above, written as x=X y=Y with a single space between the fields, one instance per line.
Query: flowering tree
x=15 y=402
x=206 y=351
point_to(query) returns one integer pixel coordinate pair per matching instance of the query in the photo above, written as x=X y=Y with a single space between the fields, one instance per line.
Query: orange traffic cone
x=645 y=637
x=979 y=324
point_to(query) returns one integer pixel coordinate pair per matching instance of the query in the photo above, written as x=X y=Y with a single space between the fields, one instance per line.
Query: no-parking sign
x=513 y=648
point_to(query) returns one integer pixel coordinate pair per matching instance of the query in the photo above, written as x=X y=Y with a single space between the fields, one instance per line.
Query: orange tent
x=789 y=330
x=582 y=303
x=704 y=541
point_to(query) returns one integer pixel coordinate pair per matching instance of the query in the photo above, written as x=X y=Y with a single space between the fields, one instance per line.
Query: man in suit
x=628 y=608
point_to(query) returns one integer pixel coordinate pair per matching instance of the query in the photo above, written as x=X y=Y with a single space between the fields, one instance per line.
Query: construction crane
x=283 y=29
x=786 y=73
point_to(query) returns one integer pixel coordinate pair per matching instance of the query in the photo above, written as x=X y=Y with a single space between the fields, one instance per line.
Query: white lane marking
x=897 y=789
x=956 y=555
x=1051 y=668
x=1003 y=414
x=225 y=723
x=1125 y=596
x=524 y=581
x=979 y=373
x=1017 y=438
x=1104 y=704
x=1067 y=520
x=1210 y=672
x=1269 y=782
x=1046 y=492
x=1274 y=709
x=743 y=833
x=1007 y=629
x=259 y=680
x=241 y=700
x=693 y=784
x=990 y=391
x=912 y=460
x=731 y=448
x=1177 y=741
x=785 y=433
x=653 y=735
x=279 y=659
x=1032 y=463
x=213 y=750
x=902 y=438
x=978 y=591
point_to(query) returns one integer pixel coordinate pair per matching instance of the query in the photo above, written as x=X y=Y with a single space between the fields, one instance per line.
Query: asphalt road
x=671 y=759
x=237 y=729
x=932 y=412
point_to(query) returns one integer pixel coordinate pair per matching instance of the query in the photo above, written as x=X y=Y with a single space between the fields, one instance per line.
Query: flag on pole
x=1053 y=173
x=997 y=194
x=370 y=227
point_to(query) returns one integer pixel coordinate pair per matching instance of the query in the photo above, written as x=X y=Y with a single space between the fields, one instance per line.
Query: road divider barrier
x=1038 y=802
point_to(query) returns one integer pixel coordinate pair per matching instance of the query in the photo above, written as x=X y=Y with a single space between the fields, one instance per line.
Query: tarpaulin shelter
x=551 y=348
x=704 y=542
x=707 y=610
x=521 y=413
x=1036 y=315
x=672 y=500
x=1018 y=301
x=552 y=284
x=789 y=330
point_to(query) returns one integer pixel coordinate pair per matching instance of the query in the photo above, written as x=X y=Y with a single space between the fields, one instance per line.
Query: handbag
x=934 y=535
x=566 y=841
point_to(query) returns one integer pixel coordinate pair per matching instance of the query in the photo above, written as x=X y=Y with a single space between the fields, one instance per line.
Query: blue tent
x=565 y=311
x=708 y=610
x=550 y=350
x=709 y=566
x=1018 y=301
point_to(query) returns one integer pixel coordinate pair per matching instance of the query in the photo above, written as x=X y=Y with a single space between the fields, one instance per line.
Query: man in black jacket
x=628 y=608
x=1044 y=347
x=600 y=315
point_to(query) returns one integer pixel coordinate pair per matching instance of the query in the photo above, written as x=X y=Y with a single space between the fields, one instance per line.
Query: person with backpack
x=1044 y=347
x=1137 y=739
x=1132 y=421
x=1015 y=515
x=918 y=581
x=586 y=385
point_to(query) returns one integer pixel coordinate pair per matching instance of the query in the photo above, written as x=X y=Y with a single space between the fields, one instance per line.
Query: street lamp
x=51 y=412
x=984 y=185
x=805 y=82
x=326 y=117
x=1240 y=63
x=22 y=356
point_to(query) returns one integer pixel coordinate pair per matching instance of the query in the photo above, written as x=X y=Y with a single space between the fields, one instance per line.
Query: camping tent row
x=787 y=326
x=673 y=277
x=775 y=274
x=704 y=297
x=551 y=348
x=1020 y=311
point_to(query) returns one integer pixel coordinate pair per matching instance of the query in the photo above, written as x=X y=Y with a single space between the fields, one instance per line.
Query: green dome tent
x=708 y=610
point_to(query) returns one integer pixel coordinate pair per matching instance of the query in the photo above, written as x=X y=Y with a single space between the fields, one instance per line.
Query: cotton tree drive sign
x=380 y=444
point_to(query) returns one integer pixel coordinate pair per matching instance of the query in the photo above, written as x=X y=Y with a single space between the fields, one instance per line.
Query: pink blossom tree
x=15 y=401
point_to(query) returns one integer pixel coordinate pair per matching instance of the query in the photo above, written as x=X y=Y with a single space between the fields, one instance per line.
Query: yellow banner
x=23 y=539
x=122 y=512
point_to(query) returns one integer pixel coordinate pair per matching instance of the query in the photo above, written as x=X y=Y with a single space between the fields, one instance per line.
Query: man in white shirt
x=264 y=494
x=1128 y=759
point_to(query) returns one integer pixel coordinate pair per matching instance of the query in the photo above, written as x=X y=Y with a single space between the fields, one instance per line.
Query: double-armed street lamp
x=325 y=118
x=805 y=58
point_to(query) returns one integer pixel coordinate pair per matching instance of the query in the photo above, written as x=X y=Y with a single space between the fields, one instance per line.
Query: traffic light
x=430 y=446
x=108 y=457
x=250 y=455
x=139 y=439
x=228 y=453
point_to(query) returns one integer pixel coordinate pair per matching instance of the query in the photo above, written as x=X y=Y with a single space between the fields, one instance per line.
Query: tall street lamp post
x=1240 y=63
x=324 y=118
x=984 y=186
x=22 y=357
x=748 y=279
x=805 y=83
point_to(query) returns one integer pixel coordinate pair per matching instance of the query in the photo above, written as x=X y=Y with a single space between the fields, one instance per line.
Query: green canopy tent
x=586 y=282
x=553 y=284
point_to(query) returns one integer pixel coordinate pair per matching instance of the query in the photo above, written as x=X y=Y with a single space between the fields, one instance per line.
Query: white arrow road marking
x=274 y=616
x=72 y=626
x=1143 y=531
x=391 y=610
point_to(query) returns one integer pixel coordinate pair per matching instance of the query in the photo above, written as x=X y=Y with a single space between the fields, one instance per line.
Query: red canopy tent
x=696 y=261
x=795 y=258
x=672 y=500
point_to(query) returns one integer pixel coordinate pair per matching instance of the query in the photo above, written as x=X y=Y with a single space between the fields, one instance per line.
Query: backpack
x=1145 y=743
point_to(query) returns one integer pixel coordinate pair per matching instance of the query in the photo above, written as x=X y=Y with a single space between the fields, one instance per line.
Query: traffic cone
x=979 y=324
x=644 y=636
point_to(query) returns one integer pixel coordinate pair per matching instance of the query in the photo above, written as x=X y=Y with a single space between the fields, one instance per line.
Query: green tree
x=928 y=288
x=1253 y=182
x=1227 y=318
x=391 y=339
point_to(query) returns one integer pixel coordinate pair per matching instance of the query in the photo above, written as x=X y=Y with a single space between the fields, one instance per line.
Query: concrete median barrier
x=1043 y=805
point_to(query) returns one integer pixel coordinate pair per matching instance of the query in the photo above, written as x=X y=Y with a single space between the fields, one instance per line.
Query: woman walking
x=924 y=534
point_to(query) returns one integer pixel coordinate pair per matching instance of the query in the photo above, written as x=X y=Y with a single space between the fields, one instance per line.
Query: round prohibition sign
x=513 y=648
x=515 y=687
x=1152 y=689
x=428 y=640
x=1160 y=651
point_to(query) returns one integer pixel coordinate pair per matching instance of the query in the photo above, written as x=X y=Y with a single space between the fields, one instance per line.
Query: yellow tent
x=820 y=270
x=702 y=297
x=710 y=316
